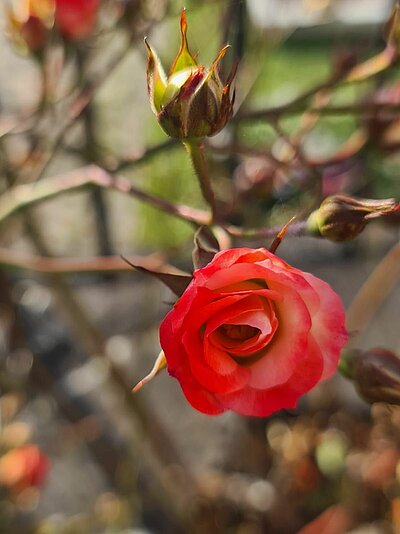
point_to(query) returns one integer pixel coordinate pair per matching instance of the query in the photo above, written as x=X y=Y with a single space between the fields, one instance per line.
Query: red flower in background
x=76 y=18
x=252 y=334
x=31 y=20
x=23 y=467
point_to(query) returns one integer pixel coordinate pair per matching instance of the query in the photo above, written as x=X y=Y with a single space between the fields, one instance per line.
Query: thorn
x=127 y=261
x=278 y=239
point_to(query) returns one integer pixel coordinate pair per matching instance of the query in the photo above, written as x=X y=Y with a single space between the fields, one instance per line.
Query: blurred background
x=80 y=454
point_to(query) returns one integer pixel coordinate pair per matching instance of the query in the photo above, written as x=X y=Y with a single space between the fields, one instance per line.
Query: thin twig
x=43 y=265
x=22 y=196
x=143 y=157
x=296 y=229
x=44 y=155
x=366 y=109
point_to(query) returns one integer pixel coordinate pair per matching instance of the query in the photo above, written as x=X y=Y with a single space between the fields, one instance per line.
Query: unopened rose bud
x=29 y=23
x=342 y=218
x=376 y=374
x=192 y=102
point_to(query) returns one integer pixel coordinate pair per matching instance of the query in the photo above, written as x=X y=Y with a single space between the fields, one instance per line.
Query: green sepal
x=156 y=79
x=184 y=58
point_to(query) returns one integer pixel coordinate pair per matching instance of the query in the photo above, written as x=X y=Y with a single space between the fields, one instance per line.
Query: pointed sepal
x=159 y=365
x=184 y=58
x=156 y=79
x=206 y=245
x=280 y=236
x=176 y=282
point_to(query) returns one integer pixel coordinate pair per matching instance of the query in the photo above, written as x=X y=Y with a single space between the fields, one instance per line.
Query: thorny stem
x=196 y=152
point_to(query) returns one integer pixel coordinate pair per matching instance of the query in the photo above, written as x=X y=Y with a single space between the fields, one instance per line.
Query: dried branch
x=366 y=109
x=22 y=196
x=44 y=265
x=296 y=229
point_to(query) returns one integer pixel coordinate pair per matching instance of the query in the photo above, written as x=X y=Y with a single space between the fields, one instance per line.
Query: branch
x=383 y=61
x=366 y=109
x=45 y=265
x=296 y=229
x=142 y=157
x=22 y=196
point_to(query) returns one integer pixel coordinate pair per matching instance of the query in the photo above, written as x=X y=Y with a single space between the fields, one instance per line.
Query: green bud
x=342 y=218
x=192 y=102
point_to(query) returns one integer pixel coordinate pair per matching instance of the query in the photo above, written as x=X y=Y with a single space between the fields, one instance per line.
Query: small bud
x=29 y=23
x=376 y=374
x=192 y=102
x=342 y=218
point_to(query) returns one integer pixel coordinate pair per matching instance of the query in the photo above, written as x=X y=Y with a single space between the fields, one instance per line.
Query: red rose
x=252 y=334
x=76 y=18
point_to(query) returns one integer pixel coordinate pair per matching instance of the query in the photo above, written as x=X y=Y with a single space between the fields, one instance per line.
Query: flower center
x=238 y=332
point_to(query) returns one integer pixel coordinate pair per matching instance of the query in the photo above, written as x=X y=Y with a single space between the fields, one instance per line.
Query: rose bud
x=342 y=218
x=29 y=23
x=23 y=467
x=192 y=102
x=76 y=19
x=376 y=374
x=252 y=334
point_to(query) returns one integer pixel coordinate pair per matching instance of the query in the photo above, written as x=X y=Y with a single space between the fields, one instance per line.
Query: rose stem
x=196 y=152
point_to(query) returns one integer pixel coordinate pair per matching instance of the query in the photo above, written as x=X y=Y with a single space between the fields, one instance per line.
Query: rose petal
x=262 y=403
x=178 y=366
x=289 y=345
x=205 y=375
x=328 y=324
x=258 y=314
